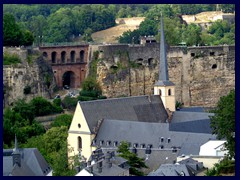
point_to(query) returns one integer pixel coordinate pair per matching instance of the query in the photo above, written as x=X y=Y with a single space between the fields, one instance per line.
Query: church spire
x=163 y=69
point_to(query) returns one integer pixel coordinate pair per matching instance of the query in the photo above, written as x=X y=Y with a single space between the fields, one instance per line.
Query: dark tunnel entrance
x=68 y=79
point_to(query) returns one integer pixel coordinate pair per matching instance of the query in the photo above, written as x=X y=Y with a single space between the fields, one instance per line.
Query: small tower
x=16 y=154
x=164 y=87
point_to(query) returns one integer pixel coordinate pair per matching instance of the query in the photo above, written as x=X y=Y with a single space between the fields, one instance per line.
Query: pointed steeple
x=15 y=144
x=16 y=154
x=164 y=87
x=163 y=66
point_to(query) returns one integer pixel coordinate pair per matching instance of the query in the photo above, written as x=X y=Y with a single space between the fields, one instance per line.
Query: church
x=150 y=124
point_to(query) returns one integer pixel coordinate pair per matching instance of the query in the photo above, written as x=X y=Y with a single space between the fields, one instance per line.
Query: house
x=107 y=164
x=24 y=162
x=154 y=130
x=213 y=148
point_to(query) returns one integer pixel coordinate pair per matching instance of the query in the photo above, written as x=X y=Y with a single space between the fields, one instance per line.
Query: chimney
x=99 y=166
x=16 y=154
x=108 y=157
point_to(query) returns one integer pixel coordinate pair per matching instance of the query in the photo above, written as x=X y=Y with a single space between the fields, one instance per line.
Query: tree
x=223 y=121
x=62 y=120
x=135 y=162
x=11 y=31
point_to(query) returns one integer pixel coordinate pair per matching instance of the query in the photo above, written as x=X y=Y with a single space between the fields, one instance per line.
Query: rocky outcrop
x=36 y=75
x=201 y=74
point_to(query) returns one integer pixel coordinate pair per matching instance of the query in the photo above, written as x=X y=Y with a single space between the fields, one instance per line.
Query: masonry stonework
x=67 y=59
x=201 y=74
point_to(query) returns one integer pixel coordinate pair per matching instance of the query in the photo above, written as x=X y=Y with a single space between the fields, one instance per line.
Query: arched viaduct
x=68 y=63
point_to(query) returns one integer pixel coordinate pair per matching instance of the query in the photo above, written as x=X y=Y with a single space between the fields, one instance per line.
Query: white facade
x=213 y=148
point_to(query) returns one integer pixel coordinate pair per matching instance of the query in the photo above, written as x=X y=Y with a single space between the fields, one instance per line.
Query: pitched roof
x=171 y=170
x=137 y=108
x=150 y=133
x=32 y=163
x=180 y=116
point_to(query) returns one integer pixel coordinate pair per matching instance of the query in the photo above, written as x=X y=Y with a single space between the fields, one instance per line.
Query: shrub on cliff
x=9 y=59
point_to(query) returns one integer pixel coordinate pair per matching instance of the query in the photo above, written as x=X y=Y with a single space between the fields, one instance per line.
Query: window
x=142 y=145
x=45 y=54
x=79 y=142
x=169 y=140
x=108 y=143
x=214 y=66
x=72 y=56
x=63 y=56
x=81 y=56
x=162 y=139
x=212 y=53
x=160 y=92
x=79 y=125
x=54 y=54
x=169 y=92
x=115 y=143
x=101 y=143
x=135 y=145
x=192 y=54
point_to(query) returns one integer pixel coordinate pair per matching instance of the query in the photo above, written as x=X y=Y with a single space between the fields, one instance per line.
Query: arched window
x=63 y=56
x=81 y=56
x=54 y=54
x=45 y=54
x=79 y=142
x=169 y=92
x=160 y=92
x=72 y=56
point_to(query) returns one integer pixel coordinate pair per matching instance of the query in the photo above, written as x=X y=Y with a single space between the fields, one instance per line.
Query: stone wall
x=17 y=77
x=201 y=74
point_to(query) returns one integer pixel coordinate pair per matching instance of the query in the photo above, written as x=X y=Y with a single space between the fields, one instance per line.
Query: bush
x=62 y=120
x=69 y=102
x=9 y=59
x=86 y=98
x=92 y=93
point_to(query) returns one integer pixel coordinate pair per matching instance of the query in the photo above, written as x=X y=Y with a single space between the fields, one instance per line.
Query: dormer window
x=115 y=143
x=101 y=143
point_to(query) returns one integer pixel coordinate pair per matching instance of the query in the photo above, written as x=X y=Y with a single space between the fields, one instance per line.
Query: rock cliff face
x=201 y=74
x=37 y=75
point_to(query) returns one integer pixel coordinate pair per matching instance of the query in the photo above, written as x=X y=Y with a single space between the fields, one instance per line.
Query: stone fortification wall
x=201 y=74
x=17 y=77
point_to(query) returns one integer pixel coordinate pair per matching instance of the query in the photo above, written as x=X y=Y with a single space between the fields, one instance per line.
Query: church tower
x=164 y=87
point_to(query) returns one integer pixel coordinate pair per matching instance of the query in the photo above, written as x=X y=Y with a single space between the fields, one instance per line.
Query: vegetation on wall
x=9 y=59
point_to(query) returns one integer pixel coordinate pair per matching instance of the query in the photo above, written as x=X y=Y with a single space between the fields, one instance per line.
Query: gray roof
x=150 y=133
x=197 y=126
x=138 y=108
x=164 y=83
x=171 y=170
x=106 y=171
x=32 y=163
x=180 y=116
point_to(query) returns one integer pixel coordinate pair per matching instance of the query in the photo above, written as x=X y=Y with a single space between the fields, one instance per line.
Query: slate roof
x=164 y=83
x=197 y=126
x=180 y=116
x=150 y=133
x=171 y=170
x=138 y=108
x=32 y=163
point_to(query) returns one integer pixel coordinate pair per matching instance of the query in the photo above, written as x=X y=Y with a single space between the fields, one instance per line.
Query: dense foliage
x=224 y=167
x=223 y=121
x=134 y=162
x=62 y=120
x=20 y=119
x=53 y=146
x=68 y=22
x=176 y=31
x=13 y=34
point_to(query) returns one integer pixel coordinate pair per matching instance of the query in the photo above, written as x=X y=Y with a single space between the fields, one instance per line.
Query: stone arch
x=63 y=56
x=73 y=56
x=45 y=54
x=68 y=79
x=54 y=57
x=82 y=56
x=79 y=142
